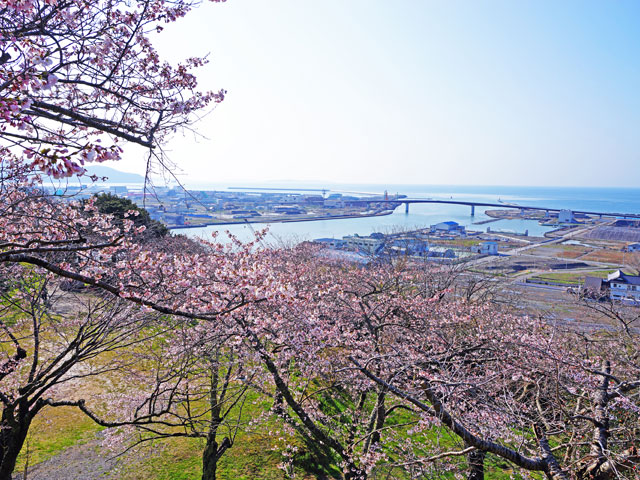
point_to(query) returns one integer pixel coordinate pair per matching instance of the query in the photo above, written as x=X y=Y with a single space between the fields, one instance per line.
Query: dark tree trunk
x=213 y=452
x=11 y=442
x=210 y=459
x=476 y=465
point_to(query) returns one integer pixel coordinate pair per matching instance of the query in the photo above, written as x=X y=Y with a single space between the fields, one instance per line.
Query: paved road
x=567 y=236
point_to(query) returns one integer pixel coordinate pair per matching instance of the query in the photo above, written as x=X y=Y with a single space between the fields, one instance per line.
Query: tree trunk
x=210 y=459
x=600 y=436
x=11 y=441
x=213 y=452
x=380 y=417
x=599 y=444
x=476 y=465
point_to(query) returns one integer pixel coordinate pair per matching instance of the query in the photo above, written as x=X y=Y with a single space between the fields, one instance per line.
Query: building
x=333 y=203
x=633 y=247
x=289 y=209
x=595 y=288
x=371 y=244
x=331 y=242
x=447 y=227
x=486 y=248
x=593 y=284
x=441 y=252
x=313 y=199
x=409 y=246
x=566 y=216
x=293 y=198
x=624 y=287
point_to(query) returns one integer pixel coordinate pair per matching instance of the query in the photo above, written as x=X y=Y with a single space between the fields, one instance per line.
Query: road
x=519 y=251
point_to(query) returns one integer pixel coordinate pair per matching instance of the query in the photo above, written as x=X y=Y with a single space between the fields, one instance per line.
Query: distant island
x=113 y=175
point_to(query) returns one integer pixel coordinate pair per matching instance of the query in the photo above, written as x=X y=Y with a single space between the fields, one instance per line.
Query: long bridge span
x=473 y=205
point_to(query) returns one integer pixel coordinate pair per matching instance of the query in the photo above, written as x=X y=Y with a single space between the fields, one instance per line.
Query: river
x=420 y=215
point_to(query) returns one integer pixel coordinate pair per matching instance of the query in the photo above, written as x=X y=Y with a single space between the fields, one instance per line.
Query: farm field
x=571 y=278
x=612 y=256
x=571 y=252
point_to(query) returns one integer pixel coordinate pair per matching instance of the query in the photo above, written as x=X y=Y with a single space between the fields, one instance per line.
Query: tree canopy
x=79 y=77
x=122 y=208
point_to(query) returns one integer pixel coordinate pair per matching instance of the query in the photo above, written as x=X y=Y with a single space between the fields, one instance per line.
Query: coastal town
x=581 y=253
x=177 y=207
x=596 y=259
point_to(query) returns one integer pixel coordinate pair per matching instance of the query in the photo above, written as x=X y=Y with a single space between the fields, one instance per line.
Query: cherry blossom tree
x=192 y=382
x=195 y=282
x=564 y=403
x=59 y=349
x=560 y=402
x=303 y=334
x=77 y=78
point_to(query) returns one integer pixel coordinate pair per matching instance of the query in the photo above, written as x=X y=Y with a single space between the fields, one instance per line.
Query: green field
x=255 y=455
x=571 y=278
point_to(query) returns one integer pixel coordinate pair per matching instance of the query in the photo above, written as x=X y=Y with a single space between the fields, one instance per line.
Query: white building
x=486 y=248
x=566 y=216
x=372 y=244
x=624 y=287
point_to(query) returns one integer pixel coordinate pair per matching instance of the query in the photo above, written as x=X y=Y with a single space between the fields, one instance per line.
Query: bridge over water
x=473 y=206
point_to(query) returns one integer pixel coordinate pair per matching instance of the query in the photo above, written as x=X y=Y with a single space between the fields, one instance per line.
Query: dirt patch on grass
x=85 y=461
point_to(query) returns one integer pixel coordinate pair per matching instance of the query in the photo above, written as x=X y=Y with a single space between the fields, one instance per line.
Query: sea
x=618 y=200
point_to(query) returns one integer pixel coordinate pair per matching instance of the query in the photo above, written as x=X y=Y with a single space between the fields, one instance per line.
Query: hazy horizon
x=291 y=184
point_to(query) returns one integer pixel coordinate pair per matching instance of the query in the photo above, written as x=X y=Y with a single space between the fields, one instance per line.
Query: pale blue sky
x=423 y=92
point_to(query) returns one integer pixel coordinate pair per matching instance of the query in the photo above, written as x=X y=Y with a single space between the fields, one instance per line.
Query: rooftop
x=622 y=277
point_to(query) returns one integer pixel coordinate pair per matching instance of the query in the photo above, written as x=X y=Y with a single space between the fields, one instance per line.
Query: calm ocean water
x=624 y=200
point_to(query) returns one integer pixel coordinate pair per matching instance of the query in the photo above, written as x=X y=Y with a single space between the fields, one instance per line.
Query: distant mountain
x=113 y=175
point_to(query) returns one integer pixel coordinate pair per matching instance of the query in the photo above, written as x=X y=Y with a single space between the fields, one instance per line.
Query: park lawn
x=53 y=429
x=252 y=457
x=255 y=455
